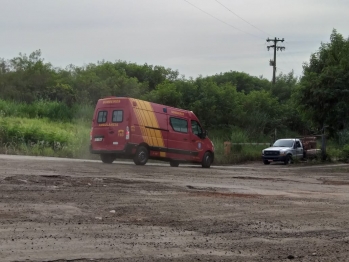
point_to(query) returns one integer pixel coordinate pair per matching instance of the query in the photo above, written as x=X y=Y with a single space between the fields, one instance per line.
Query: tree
x=285 y=84
x=323 y=93
x=242 y=81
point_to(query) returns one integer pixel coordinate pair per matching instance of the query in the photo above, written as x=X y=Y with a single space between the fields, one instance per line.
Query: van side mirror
x=204 y=134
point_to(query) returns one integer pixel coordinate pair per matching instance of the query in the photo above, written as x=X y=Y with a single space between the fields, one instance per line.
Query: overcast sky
x=195 y=37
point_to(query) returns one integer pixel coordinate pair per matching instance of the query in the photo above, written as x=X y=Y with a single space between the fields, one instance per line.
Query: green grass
x=44 y=137
x=53 y=110
x=238 y=153
x=55 y=129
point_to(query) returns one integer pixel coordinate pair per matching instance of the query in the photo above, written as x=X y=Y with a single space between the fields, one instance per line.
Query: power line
x=220 y=19
x=241 y=17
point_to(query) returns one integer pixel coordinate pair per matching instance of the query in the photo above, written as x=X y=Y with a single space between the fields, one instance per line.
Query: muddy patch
x=335 y=183
x=60 y=180
x=263 y=178
x=223 y=195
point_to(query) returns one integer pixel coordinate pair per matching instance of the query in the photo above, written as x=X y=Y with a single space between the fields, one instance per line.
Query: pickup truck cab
x=283 y=150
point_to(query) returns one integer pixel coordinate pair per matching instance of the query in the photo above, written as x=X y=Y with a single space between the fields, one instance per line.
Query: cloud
x=171 y=33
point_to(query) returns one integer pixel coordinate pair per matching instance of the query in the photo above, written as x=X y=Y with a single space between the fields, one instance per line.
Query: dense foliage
x=227 y=101
x=224 y=101
x=323 y=93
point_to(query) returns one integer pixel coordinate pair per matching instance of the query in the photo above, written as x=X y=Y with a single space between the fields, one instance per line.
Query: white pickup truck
x=286 y=150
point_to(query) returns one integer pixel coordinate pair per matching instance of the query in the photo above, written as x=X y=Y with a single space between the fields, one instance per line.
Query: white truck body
x=286 y=150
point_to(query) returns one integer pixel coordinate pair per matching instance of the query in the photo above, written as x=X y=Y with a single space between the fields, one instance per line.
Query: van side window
x=117 y=116
x=179 y=125
x=196 y=128
x=102 y=117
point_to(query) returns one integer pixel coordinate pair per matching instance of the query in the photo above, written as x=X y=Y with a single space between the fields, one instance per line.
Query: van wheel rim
x=141 y=156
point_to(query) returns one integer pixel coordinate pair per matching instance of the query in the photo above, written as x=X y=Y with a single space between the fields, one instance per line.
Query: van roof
x=170 y=110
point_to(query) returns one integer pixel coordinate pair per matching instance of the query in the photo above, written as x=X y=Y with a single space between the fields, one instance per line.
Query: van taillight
x=91 y=134
x=127 y=133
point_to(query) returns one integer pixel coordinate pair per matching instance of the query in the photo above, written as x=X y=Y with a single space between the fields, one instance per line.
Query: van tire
x=207 y=160
x=141 y=157
x=107 y=158
x=174 y=163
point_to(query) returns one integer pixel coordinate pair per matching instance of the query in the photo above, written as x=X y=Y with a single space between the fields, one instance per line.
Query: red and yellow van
x=130 y=128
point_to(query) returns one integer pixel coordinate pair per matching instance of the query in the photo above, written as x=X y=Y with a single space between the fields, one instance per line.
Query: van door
x=110 y=131
x=178 y=139
x=196 y=140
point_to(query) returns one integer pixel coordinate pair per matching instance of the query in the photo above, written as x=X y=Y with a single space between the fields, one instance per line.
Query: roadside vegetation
x=46 y=110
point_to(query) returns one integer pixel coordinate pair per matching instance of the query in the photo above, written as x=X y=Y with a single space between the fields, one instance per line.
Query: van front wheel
x=141 y=157
x=107 y=158
x=207 y=160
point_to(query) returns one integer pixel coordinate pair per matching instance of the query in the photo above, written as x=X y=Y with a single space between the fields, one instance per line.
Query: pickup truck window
x=284 y=143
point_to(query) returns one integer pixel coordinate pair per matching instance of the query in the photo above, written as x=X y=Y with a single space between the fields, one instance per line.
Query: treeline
x=226 y=101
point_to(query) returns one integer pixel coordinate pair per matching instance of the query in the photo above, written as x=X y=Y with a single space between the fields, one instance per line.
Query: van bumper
x=127 y=150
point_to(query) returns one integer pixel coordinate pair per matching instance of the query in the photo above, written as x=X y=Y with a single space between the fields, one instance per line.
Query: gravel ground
x=73 y=210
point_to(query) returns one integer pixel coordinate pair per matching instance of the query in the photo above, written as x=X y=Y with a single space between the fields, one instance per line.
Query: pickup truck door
x=299 y=149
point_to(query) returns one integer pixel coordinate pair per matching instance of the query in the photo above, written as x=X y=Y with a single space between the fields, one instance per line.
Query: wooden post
x=323 y=145
x=227 y=148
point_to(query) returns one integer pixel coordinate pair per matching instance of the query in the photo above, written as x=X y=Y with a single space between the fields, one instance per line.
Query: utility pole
x=276 y=48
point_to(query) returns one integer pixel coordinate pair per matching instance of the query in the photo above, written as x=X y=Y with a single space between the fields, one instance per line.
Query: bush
x=55 y=111
x=44 y=137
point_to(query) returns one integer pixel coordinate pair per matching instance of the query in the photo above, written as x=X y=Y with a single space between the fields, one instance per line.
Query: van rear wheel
x=141 y=157
x=174 y=163
x=107 y=158
x=207 y=160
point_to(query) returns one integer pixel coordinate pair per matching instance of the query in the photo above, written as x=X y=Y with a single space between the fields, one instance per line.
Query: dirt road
x=68 y=210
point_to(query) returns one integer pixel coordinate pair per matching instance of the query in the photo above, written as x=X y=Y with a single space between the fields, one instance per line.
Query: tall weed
x=53 y=110
x=44 y=137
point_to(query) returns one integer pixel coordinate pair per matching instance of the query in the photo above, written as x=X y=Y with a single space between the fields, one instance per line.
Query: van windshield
x=284 y=143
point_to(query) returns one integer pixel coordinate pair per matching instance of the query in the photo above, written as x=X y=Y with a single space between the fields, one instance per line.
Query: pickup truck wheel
x=141 y=157
x=207 y=160
x=266 y=162
x=288 y=160
x=107 y=158
x=174 y=163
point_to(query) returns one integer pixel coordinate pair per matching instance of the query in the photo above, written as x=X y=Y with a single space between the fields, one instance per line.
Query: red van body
x=140 y=130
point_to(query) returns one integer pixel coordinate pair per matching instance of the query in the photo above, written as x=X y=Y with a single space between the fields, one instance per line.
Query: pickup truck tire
x=266 y=162
x=288 y=160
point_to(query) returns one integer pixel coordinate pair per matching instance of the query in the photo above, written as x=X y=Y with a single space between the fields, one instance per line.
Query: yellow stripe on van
x=140 y=123
x=146 y=117
x=149 y=132
x=155 y=124
x=150 y=124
